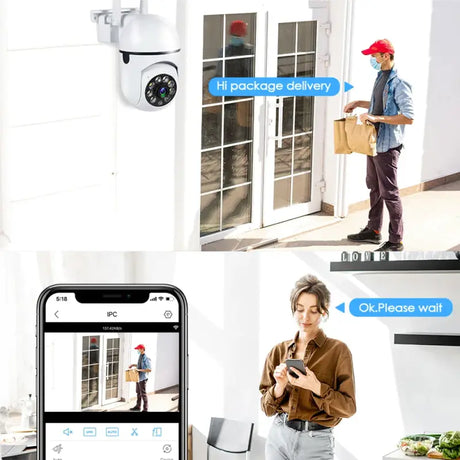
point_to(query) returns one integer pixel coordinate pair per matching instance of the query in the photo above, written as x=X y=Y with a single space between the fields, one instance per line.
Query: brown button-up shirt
x=332 y=364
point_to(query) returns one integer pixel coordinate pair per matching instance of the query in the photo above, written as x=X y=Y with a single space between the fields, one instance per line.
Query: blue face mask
x=236 y=41
x=138 y=352
x=375 y=65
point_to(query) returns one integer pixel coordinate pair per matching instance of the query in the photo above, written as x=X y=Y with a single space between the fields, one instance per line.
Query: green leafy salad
x=449 y=444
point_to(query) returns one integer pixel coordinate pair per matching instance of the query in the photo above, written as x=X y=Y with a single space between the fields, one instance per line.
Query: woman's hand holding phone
x=281 y=377
x=307 y=382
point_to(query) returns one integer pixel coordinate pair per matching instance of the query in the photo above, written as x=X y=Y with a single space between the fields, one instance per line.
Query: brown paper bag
x=131 y=375
x=362 y=138
x=340 y=137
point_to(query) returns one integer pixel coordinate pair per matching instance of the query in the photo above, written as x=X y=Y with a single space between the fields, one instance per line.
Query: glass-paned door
x=294 y=150
x=100 y=370
x=227 y=137
x=90 y=371
x=112 y=369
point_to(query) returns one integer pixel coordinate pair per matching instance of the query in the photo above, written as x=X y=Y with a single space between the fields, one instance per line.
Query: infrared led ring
x=160 y=90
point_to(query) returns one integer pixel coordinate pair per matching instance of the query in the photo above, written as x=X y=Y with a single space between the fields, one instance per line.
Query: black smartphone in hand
x=92 y=403
x=297 y=364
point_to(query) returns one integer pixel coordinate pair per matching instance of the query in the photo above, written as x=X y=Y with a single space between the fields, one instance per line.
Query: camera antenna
x=144 y=7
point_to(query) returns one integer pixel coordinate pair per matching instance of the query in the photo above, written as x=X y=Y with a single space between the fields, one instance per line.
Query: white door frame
x=276 y=16
x=103 y=368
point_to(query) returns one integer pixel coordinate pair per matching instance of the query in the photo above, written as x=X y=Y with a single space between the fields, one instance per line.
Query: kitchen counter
x=29 y=454
x=398 y=455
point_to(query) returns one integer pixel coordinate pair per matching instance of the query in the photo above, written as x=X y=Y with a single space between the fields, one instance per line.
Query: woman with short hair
x=307 y=407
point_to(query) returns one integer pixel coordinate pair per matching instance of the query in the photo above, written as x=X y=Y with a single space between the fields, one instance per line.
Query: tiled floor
x=431 y=220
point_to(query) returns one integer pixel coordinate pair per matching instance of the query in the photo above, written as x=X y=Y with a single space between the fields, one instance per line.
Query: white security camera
x=149 y=50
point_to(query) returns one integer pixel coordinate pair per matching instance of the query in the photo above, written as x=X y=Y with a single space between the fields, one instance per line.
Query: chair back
x=230 y=436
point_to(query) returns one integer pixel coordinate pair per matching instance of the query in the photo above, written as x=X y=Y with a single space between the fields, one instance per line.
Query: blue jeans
x=285 y=443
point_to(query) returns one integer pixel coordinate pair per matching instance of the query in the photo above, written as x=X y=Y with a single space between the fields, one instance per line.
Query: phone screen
x=112 y=372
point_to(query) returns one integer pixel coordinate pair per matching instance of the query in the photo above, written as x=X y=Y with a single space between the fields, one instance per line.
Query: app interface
x=110 y=380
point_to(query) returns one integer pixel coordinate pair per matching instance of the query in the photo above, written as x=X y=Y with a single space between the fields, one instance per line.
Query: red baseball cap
x=380 y=46
x=238 y=28
x=140 y=346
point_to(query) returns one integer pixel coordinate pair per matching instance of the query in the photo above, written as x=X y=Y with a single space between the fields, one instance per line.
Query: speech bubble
x=281 y=86
x=401 y=307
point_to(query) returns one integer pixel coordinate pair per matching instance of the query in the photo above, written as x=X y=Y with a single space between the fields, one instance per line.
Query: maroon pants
x=141 y=390
x=382 y=182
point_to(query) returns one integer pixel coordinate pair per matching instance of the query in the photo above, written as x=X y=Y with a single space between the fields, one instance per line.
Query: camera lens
x=163 y=92
x=160 y=90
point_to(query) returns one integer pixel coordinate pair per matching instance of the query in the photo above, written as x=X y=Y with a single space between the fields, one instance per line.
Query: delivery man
x=389 y=109
x=143 y=367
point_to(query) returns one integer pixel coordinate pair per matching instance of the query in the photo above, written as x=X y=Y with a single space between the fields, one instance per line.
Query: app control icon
x=58 y=448
x=157 y=432
x=89 y=432
x=112 y=432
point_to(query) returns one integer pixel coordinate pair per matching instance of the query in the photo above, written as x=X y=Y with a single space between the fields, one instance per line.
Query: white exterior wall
x=62 y=381
x=80 y=167
x=420 y=32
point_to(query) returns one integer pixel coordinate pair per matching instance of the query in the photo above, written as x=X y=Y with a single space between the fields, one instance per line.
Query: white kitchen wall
x=239 y=308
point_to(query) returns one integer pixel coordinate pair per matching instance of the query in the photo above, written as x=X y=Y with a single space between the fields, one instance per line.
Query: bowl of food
x=416 y=445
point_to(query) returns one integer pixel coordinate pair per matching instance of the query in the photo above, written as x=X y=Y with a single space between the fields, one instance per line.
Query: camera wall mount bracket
x=108 y=28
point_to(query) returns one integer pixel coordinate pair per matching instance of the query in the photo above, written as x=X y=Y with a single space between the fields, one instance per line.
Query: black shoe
x=145 y=410
x=389 y=246
x=135 y=408
x=366 y=235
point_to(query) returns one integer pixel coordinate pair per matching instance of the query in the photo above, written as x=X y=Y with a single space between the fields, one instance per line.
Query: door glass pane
x=286 y=66
x=306 y=65
x=210 y=170
x=238 y=122
x=302 y=153
x=210 y=213
x=283 y=158
x=237 y=206
x=240 y=34
x=213 y=26
x=307 y=36
x=302 y=188
x=227 y=127
x=241 y=67
x=111 y=377
x=211 y=134
x=211 y=69
x=282 y=196
x=237 y=167
x=286 y=37
x=288 y=110
x=303 y=114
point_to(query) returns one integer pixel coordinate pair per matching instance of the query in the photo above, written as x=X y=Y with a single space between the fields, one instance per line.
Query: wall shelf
x=396 y=265
x=447 y=340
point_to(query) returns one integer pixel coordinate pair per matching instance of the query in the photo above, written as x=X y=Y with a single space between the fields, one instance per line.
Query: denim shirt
x=146 y=364
x=397 y=99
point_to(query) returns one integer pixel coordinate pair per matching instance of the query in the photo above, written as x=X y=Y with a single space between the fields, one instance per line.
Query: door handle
x=280 y=107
